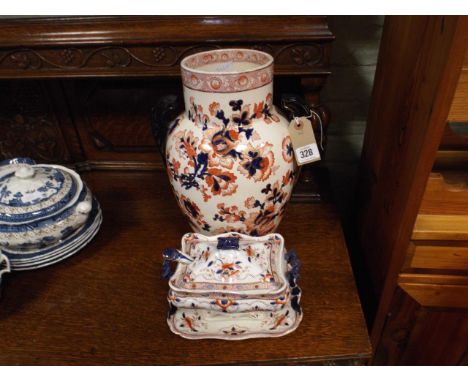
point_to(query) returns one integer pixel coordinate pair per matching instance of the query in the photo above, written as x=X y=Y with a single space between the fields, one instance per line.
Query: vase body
x=229 y=155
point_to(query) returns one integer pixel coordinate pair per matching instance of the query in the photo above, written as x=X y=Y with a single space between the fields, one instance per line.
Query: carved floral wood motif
x=147 y=46
x=155 y=60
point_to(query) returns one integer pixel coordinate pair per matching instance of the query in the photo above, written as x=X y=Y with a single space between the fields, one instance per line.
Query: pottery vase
x=229 y=155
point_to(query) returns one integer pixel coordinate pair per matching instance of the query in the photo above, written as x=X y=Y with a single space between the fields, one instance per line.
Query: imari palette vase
x=229 y=155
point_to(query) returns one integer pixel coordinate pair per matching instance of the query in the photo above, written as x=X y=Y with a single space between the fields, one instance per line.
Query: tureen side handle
x=294 y=266
x=4 y=265
x=170 y=255
x=293 y=275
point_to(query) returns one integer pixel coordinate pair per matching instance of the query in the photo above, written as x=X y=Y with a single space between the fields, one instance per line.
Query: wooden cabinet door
x=421 y=330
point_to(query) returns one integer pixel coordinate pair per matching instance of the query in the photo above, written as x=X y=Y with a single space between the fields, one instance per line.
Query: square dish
x=231 y=264
x=204 y=324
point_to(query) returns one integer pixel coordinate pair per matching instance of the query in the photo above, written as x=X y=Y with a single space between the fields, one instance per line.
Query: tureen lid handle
x=24 y=172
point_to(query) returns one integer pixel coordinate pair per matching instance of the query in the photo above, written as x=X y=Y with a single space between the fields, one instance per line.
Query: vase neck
x=216 y=107
x=222 y=83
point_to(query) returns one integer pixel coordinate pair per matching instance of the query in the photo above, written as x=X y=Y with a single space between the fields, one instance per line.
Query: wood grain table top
x=107 y=304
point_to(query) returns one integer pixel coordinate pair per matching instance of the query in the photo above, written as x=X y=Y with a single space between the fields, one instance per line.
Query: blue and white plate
x=59 y=251
x=62 y=255
x=64 y=247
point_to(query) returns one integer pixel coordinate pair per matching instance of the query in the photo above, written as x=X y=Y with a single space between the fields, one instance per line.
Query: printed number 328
x=306 y=153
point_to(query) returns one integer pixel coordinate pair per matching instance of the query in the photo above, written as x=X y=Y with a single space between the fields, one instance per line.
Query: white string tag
x=303 y=141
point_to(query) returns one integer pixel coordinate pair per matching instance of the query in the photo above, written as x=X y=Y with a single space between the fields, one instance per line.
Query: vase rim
x=262 y=60
x=207 y=71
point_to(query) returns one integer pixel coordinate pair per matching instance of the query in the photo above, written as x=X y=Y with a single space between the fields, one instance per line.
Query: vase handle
x=170 y=255
x=163 y=113
x=294 y=106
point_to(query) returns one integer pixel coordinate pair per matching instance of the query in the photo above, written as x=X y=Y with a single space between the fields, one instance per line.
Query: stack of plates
x=33 y=259
x=46 y=214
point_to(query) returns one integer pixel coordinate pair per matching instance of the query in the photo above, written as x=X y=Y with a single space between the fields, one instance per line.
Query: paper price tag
x=306 y=154
x=303 y=141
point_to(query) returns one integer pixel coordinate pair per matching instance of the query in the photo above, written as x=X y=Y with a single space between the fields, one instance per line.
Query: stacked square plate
x=233 y=286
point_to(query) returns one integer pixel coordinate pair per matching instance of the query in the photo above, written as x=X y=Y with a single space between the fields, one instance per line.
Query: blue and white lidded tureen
x=46 y=213
x=233 y=286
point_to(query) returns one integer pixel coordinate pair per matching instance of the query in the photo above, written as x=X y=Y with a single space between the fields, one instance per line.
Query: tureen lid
x=29 y=191
x=231 y=264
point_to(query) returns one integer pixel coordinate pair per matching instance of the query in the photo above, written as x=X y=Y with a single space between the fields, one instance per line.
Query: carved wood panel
x=28 y=124
x=305 y=58
x=113 y=119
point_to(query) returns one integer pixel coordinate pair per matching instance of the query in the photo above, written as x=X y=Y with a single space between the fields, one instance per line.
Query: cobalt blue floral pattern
x=44 y=250
x=229 y=153
x=37 y=224
x=49 y=191
x=52 y=185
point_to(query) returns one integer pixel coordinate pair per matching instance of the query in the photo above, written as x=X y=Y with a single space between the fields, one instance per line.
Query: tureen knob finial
x=24 y=172
x=84 y=207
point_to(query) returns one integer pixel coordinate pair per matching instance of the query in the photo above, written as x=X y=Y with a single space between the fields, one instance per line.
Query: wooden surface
x=418 y=68
x=451 y=159
x=459 y=108
x=114 y=46
x=107 y=304
x=412 y=334
x=421 y=318
x=111 y=29
x=453 y=140
x=438 y=296
x=446 y=193
x=434 y=255
x=404 y=132
x=439 y=241
x=440 y=227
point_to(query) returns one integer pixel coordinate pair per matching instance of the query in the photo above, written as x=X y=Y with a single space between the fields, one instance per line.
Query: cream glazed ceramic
x=249 y=275
x=233 y=264
x=39 y=204
x=229 y=155
x=233 y=286
x=4 y=265
x=199 y=323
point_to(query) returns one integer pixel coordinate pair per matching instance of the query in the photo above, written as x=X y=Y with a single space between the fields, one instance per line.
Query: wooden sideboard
x=412 y=210
x=79 y=91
